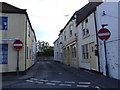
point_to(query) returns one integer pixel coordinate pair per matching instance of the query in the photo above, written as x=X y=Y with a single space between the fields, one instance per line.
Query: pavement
x=96 y=78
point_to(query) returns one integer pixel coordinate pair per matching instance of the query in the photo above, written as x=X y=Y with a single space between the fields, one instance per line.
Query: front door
x=68 y=56
x=93 y=62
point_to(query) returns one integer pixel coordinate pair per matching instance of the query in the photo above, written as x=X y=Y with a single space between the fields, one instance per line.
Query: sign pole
x=18 y=63
x=106 y=65
x=17 y=45
x=104 y=34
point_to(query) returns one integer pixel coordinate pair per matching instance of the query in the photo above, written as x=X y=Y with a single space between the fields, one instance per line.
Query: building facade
x=108 y=15
x=15 y=25
x=87 y=39
x=80 y=34
x=56 y=50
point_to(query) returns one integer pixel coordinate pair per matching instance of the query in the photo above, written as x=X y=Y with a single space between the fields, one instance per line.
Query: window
x=27 y=52
x=70 y=28
x=3 y=53
x=70 y=33
x=85 y=51
x=65 y=36
x=85 y=28
x=73 y=48
x=29 y=30
x=3 y=23
x=64 y=53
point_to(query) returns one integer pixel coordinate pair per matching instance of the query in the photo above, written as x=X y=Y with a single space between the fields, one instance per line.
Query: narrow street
x=53 y=75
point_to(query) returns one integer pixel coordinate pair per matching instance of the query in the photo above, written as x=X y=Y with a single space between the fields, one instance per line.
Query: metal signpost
x=17 y=45
x=104 y=34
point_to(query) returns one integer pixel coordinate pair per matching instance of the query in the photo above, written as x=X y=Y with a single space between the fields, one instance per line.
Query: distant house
x=15 y=24
x=56 y=50
x=69 y=44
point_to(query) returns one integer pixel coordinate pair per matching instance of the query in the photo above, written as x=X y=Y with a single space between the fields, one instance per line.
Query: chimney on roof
x=95 y=0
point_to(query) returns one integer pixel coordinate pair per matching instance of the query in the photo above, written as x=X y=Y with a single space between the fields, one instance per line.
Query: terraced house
x=81 y=46
x=15 y=25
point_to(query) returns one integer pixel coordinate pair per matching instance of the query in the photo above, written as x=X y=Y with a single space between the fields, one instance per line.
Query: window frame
x=3 y=20
x=4 y=47
x=85 y=51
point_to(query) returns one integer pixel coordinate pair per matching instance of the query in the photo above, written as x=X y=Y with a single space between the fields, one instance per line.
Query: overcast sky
x=48 y=17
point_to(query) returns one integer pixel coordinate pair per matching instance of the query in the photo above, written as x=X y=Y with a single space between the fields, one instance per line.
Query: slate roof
x=86 y=11
x=7 y=8
x=83 y=13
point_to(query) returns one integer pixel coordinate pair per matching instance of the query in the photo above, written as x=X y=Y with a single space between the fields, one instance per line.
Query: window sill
x=85 y=61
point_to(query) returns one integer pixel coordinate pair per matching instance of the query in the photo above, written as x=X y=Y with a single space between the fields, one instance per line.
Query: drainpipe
x=97 y=41
x=25 y=41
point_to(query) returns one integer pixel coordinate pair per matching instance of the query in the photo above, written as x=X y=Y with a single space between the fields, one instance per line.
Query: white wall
x=90 y=39
x=60 y=48
x=56 y=50
x=111 y=18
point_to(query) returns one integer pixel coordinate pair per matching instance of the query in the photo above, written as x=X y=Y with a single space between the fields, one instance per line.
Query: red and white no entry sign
x=18 y=44
x=104 y=34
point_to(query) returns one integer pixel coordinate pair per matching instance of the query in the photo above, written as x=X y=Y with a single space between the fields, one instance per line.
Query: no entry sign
x=104 y=34
x=17 y=44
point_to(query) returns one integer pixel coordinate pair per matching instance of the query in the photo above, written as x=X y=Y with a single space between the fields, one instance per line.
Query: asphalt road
x=53 y=75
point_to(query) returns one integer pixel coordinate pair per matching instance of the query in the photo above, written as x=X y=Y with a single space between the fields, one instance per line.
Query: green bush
x=47 y=52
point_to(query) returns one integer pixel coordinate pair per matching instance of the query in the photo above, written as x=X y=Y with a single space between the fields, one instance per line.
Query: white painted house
x=61 y=46
x=90 y=49
x=108 y=13
x=87 y=40
x=56 y=50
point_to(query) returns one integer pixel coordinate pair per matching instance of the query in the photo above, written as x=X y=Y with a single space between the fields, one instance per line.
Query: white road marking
x=43 y=80
x=56 y=81
x=39 y=82
x=84 y=82
x=82 y=86
x=69 y=82
x=29 y=80
x=65 y=85
x=34 y=79
x=50 y=83
x=97 y=87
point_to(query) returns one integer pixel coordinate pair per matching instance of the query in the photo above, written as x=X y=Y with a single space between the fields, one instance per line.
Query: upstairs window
x=70 y=33
x=85 y=30
x=65 y=36
x=70 y=28
x=3 y=23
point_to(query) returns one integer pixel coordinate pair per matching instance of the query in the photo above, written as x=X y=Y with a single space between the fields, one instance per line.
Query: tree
x=42 y=45
x=44 y=49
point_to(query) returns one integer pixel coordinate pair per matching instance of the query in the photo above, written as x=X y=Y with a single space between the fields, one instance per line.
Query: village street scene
x=85 y=54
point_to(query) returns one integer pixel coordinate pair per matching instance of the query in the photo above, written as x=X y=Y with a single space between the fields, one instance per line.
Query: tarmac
x=96 y=78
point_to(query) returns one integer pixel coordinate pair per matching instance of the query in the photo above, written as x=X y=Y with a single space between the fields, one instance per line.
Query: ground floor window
x=73 y=50
x=85 y=51
x=64 y=53
x=3 y=53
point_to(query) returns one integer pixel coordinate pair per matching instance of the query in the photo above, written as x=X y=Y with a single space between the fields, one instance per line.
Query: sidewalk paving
x=96 y=78
x=22 y=75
